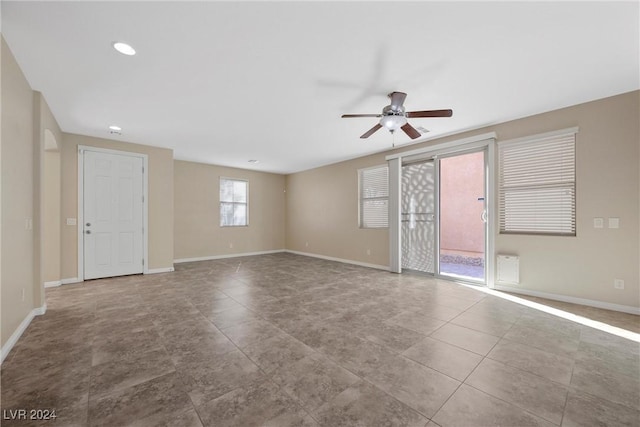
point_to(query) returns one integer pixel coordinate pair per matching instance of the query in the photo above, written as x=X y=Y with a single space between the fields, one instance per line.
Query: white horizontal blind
x=233 y=202
x=537 y=185
x=374 y=197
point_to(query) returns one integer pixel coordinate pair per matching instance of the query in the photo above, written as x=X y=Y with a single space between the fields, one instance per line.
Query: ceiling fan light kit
x=393 y=122
x=394 y=117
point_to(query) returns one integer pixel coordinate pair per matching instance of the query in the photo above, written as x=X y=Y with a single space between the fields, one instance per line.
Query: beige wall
x=2 y=49
x=49 y=167
x=322 y=207
x=607 y=149
x=51 y=222
x=160 y=226
x=322 y=214
x=197 y=214
x=18 y=192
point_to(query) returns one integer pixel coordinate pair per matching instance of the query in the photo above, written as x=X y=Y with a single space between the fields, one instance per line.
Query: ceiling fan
x=393 y=116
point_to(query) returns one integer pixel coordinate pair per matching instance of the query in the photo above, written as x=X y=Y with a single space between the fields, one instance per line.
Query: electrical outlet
x=618 y=283
x=230 y=245
x=23 y=294
x=306 y=244
x=71 y=221
x=598 y=222
x=368 y=251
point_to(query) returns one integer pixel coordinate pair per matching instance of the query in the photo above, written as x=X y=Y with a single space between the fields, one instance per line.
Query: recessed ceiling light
x=254 y=161
x=124 y=48
x=116 y=128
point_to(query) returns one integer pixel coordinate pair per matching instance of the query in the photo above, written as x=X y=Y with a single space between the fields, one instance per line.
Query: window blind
x=537 y=185
x=374 y=197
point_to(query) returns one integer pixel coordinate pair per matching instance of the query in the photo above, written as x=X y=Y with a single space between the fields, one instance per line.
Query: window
x=537 y=184
x=374 y=197
x=233 y=202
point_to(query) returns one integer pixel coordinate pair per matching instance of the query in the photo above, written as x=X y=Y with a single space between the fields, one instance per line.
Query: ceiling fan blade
x=430 y=113
x=350 y=116
x=397 y=99
x=411 y=131
x=371 y=131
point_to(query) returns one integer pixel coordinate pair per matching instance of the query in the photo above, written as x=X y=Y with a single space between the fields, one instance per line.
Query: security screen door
x=418 y=216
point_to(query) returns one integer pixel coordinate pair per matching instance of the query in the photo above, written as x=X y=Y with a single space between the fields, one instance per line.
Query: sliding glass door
x=462 y=216
x=443 y=215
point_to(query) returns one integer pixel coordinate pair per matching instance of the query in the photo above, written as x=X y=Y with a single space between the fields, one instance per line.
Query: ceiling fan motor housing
x=389 y=110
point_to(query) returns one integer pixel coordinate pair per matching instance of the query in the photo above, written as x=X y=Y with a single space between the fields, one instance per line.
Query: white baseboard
x=159 y=270
x=328 y=258
x=344 y=261
x=213 y=257
x=70 y=281
x=40 y=310
x=52 y=284
x=564 y=298
x=13 y=339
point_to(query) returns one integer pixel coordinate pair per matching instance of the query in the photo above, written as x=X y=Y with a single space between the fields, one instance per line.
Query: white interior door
x=112 y=214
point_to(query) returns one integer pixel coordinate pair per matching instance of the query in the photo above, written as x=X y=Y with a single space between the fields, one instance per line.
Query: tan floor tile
x=313 y=380
x=124 y=346
x=126 y=372
x=556 y=343
x=468 y=339
x=251 y=332
x=471 y=407
x=445 y=358
x=394 y=337
x=232 y=317
x=584 y=409
x=419 y=322
x=277 y=352
x=255 y=404
x=314 y=326
x=365 y=405
x=534 y=394
x=492 y=325
x=162 y=396
x=607 y=384
x=422 y=389
x=208 y=376
x=548 y=365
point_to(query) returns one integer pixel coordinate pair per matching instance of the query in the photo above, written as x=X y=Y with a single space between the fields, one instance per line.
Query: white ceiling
x=225 y=82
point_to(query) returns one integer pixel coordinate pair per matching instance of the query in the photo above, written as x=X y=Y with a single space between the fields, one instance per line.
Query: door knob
x=88 y=231
x=88 y=224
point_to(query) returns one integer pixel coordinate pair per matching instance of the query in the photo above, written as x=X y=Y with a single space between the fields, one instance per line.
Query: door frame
x=145 y=210
x=483 y=141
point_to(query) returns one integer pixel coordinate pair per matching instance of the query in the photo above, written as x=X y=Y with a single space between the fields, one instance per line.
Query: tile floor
x=286 y=340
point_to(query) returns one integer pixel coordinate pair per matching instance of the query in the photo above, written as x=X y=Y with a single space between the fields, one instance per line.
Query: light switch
x=71 y=221
x=614 y=222
x=598 y=222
